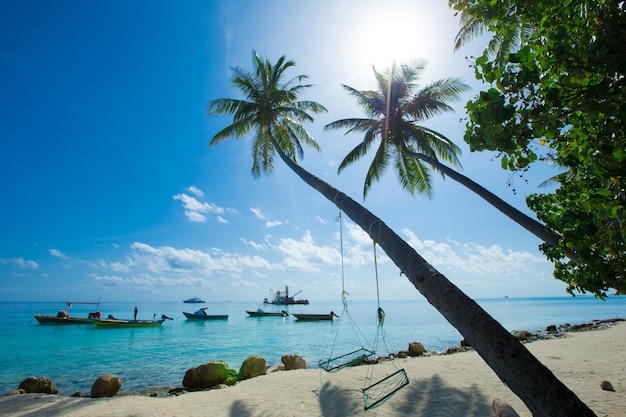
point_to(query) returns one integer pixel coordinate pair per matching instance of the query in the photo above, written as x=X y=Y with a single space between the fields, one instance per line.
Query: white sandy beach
x=450 y=385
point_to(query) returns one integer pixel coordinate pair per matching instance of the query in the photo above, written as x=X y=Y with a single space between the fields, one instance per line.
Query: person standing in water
x=136 y=310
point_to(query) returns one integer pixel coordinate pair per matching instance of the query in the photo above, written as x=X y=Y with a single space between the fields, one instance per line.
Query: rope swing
x=357 y=356
x=375 y=394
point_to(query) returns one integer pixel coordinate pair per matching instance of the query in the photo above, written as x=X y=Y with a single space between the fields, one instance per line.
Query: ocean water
x=73 y=356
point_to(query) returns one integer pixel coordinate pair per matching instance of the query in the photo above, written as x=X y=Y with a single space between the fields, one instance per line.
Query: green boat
x=127 y=323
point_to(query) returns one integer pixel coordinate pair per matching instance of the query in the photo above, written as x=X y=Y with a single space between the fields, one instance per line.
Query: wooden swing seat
x=379 y=392
x=353 y=358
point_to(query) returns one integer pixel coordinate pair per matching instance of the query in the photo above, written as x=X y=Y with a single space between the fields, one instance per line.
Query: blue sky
x=110 y=189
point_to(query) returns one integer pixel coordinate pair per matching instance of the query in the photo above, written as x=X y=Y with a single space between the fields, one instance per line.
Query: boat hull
x=265 y=314
x=193 y=316
x=127 y=323
x=43 y=319
x=313 y=317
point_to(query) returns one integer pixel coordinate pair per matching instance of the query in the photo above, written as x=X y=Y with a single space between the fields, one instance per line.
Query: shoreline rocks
x=216 y=374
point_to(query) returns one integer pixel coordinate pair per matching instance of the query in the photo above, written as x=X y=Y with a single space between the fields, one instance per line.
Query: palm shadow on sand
x=431 y=397
x=422 y=397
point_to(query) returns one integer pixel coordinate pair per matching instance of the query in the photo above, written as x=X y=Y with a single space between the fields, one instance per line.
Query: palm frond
x=352 y=125
x=358 y=152
x=436 y=98
x=413 y=175
x=434 y=145
x=377 y=167
x=471 y=29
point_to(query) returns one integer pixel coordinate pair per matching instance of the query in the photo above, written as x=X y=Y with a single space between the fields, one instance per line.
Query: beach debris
x=252 y=367
x=38 y=385
x=502 y=409
x=209 y=375
x=416 y=349
x=293 y=362
x=607 y=386
x=107 y=385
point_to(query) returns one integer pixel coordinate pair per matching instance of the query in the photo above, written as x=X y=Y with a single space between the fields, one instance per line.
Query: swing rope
x=357 y=356
x=375 y=394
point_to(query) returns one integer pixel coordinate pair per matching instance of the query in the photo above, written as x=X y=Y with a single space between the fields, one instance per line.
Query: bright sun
x=390 y=34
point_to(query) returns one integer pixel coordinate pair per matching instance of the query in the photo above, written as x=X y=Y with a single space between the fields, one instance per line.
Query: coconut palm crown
x=394 y=112
x=271 y=109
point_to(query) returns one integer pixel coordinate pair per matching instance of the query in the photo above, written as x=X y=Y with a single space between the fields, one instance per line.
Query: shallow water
x=73 y=356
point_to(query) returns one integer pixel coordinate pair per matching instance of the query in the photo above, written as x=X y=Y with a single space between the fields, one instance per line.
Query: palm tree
x=271 y=110
x=509 y=37
x=394 y=112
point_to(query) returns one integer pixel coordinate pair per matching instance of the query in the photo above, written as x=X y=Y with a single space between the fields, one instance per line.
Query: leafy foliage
x=560 y=97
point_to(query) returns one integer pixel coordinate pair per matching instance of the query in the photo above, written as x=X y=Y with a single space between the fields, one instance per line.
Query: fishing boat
x=202 y=315
x=63 y=316
x=314 y=317
x=127 y=323
x=193 y=300
x=260 y=313
x=283 y=298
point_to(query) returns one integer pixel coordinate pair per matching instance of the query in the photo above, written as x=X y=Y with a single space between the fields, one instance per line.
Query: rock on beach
x=107 y=385
x=38 y=385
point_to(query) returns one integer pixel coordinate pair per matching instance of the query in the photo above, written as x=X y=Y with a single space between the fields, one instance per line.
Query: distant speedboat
x=193 y=300
x=314 y=317
x=63 y=316
x=202 y=315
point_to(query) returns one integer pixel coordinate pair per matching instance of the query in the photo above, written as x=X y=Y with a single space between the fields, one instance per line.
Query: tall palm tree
x=394 y=112
x=271 y=110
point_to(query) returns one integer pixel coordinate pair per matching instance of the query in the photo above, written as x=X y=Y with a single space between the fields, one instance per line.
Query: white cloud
x=474 y=262
x=20 y=262
x=195 y=216
x=196 y=191
x=195 y=210
x=257 y=212
x=255 y=245
x=274 y=223
x=305 y=255
x=119 y=267
x=57 y=253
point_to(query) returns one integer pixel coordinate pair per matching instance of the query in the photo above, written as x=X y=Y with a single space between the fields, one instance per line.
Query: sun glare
x=390 y=35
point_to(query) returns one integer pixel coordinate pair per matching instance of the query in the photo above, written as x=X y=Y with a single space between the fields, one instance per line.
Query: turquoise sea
x=149 y=358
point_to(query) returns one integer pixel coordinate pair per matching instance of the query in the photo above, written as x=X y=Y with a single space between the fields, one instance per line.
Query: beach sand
x=448 y=385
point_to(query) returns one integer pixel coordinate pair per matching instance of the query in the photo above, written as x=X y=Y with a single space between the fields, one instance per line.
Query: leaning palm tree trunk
x=529 y=379
x=528 y=223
